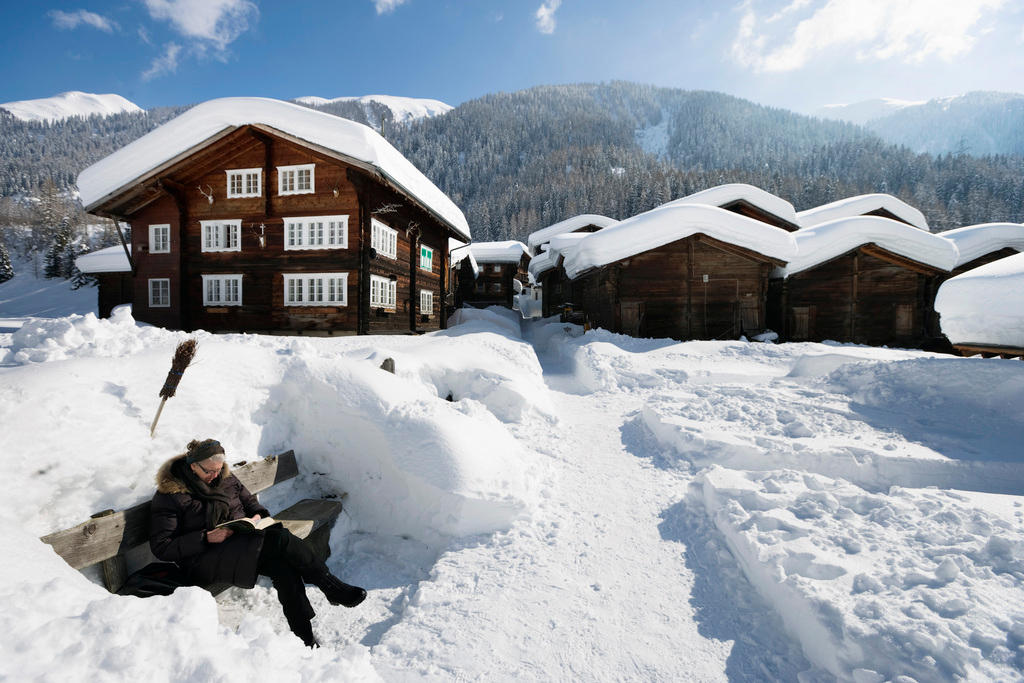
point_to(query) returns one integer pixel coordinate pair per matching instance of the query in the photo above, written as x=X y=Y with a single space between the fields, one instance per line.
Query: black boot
x=304 y=630
x=337 y=591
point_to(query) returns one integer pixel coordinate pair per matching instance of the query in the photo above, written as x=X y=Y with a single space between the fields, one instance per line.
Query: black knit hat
x=201 y=450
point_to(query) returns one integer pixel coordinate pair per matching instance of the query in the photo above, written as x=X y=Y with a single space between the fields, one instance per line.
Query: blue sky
x=797 y=54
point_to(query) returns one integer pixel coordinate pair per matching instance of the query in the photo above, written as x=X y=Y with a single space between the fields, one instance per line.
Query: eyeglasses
x=215 y=470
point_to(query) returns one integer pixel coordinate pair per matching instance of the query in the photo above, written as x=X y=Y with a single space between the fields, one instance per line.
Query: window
x=316 y=232
x=426 y=258
x=222 y=290
x=496 y=268
x=221 y=235
x=383 y=292
x=159 y=293
x=426 y=302
x=245 y=182
x=316 y=289
x=159 y=239
x=295 y=179
x=496 y=288
x=383 y=239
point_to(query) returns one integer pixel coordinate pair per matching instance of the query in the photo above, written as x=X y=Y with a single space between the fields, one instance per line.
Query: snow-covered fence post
x=182 y=357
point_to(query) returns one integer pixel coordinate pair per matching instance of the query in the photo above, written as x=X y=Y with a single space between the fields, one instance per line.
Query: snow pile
x=823 y=242
x=574 y=224
x=862 y=205
x=918 y=583
x=985 y=305
x=204 y=121
x=667 y=224
x=108 y=260
x=70 y=104
x=724 y=195
x=976 y=241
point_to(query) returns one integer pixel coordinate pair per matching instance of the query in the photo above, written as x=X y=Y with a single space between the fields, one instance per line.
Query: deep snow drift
x=529 y=501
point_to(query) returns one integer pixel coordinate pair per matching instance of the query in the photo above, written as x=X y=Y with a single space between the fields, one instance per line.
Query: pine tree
x=59 y=257
x=6 y=269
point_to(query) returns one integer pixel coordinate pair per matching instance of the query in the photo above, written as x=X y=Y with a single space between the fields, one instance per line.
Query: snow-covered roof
x=723 y=195
x=568 y=225
x=667 y=224
x=194 y=128
x=975 y=241
x=985 y=305
x=508 y=251
x=460 y=254
x=859 y=206
x=108 y=260
x=829 y=240
x=553 y=250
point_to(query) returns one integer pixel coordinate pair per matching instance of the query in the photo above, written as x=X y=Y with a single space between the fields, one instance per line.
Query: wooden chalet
x=867 y=280
x=978 y=245
x=113 y=273
x=687 y=271
x=746 y=200
x=878 y=204
x=259 y=215
x=486 y=273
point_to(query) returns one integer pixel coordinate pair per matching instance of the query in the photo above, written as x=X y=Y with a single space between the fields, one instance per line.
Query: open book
x=245 y=525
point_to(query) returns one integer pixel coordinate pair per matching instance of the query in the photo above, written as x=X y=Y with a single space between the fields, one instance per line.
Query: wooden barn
x=865 y=279
x=746 y=200
x=879 y=204
x=547 y=273
x=258 y=215
x=113 y=273
x=487 y=273
x=981 y=244
x=584 y=223
x=687 y=271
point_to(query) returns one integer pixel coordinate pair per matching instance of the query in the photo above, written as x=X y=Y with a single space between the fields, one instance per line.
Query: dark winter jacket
x=178 y=520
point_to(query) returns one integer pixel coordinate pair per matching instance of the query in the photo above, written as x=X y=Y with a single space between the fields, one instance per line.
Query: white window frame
x=315 y=289
x=222 y=235
x=426 y=302
x=156 y=284
x=288 y=178
x=156 y=245
x=383 y=292
x=384 y=239
x=245 y=187
x=496 y=268
x=316 y=232
x=428 y=262
x=222 y=290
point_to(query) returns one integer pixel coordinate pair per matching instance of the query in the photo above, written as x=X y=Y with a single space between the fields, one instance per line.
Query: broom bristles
x=182 y=357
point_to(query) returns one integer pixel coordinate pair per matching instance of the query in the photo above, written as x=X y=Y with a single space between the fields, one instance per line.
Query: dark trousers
x=289 y=561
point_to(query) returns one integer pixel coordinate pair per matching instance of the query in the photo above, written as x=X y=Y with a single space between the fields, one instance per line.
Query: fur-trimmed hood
x=166 y=482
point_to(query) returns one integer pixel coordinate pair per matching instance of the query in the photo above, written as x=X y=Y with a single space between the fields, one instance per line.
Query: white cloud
x=385 y=6
x=217 y=21
x=910 y=30
x=546 y=16
x=167 y=63
x=71 y=20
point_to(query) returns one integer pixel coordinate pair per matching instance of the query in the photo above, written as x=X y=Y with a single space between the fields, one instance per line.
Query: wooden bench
x=109 y=536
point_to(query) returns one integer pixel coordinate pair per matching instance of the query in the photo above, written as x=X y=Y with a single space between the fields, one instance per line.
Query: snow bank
x=862 y=205
x=723 y=195
x=569 y=225
x=919 y=583
x=975 y=241
x=985 y=305
x=667 y=224
x=201 y=123
x=823 y=242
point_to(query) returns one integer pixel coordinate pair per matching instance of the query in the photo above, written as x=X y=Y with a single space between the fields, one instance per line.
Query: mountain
x=403 y=109
x=862 y=112
x=68 y=105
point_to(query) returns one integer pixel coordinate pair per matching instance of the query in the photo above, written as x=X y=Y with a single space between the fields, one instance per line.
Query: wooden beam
x=886 y=255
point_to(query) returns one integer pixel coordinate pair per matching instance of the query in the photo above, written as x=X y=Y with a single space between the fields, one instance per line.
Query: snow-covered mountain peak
x=404 y=109
x=70 y=104
x=862 y=112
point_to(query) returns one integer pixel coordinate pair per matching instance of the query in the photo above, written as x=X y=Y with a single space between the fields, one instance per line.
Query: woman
x=195 y=492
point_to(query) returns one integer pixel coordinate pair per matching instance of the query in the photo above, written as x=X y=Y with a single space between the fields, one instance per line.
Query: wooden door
x=631 y=314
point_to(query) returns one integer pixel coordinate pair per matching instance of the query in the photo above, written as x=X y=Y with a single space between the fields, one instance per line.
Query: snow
x=985 y=305
x=569 y=225
x=975 y=241
x=667 y=224
x=828 y=240
x=868 y=110
x=196 y=126
x=404 y=109
x=586 y=506
x=859 y=206
x=723 y=195
x=553 y=251
x=508 y=251
x=70 y=104
x=106 y=260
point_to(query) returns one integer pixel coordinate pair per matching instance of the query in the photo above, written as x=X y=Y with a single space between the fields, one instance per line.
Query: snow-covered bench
x=108 y=537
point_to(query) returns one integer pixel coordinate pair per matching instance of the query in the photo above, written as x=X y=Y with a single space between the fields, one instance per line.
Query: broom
x=182 y=357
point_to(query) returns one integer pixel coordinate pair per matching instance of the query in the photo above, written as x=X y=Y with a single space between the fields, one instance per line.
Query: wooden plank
x=114 y=533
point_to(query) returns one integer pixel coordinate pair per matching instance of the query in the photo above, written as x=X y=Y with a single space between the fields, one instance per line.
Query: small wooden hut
x=982 y=310
x=495 y=268
x=113 y=273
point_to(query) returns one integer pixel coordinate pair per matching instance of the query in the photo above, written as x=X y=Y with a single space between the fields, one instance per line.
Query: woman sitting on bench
x=195 y=492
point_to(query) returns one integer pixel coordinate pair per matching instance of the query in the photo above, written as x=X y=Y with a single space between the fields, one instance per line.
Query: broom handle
x=152 y=428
